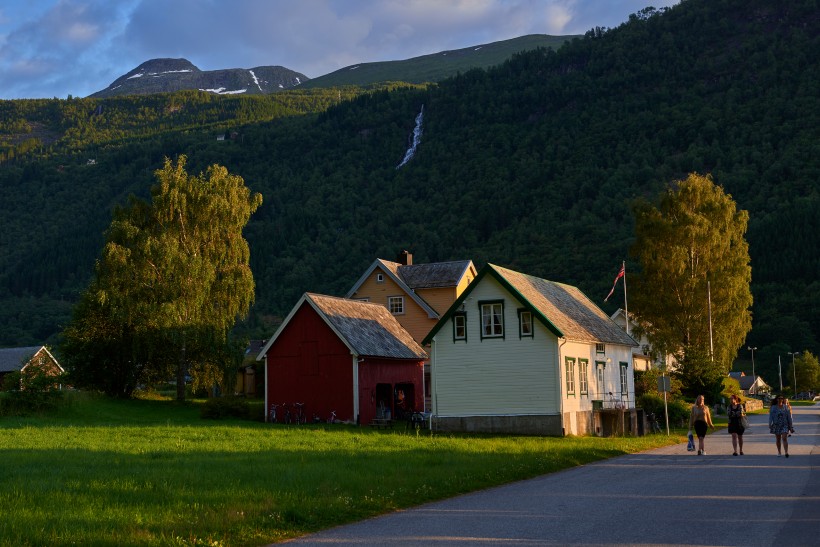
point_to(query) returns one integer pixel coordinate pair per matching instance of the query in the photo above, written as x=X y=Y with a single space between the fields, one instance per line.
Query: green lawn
x=142 y=472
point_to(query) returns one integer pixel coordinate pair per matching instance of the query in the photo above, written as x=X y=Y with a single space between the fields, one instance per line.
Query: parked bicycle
x=299 y=413
x=288 y=415
x=332 y=418
x=273 y=408
x=654 y=427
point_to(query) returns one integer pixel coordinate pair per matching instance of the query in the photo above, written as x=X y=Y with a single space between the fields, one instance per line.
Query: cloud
x=60 y=47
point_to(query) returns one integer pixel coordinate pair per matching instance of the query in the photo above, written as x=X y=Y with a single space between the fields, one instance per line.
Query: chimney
x=405 y=258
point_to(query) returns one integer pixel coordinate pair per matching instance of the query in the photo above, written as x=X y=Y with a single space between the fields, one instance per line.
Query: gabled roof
x=13 y=359
x=746 y=382
x=563 y=309
x=367 y=329
x=418 y=276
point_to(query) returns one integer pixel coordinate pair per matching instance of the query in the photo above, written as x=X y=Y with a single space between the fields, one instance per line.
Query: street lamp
x=752 y=349
x=794 y=370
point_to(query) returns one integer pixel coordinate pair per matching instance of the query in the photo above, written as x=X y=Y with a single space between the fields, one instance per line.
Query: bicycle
x=332 y=418
x=299 y=413
x=288 y=416
x=653 y=423
x=273 y=408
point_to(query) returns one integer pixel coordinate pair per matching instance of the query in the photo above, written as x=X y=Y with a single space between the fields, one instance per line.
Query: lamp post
x=794 y=371
x=752 y=349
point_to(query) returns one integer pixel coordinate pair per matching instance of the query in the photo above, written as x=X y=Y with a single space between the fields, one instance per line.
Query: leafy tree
x=693 y=288
x=807 y=368
x=173 y=278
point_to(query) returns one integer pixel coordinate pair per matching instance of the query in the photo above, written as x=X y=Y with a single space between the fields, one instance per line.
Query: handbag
x=691 y=445
x=744 y=423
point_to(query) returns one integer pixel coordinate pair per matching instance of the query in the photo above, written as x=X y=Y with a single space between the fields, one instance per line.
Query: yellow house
x=416 y=294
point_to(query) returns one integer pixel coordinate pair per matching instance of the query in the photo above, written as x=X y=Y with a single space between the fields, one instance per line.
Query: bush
x=679 y=412
x=32 y=393
x=651 y=403
x=225 y=407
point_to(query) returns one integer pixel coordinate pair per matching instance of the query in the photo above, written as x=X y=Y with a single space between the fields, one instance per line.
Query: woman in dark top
x=735 y=426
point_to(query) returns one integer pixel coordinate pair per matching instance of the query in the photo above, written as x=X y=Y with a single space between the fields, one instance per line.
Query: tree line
x=534 y=165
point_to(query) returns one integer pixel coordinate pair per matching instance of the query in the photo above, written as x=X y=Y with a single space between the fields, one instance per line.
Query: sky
x=57 y=48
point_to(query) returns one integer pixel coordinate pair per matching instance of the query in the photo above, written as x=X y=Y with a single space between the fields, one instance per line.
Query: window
x=583 y=379
x=624 y=378
x=395 y=304
x=599 y=371
x=492 y=319
x=525 y=324
x=460 y=326
x=570 y=372
x=600 y=348
x=379 y=278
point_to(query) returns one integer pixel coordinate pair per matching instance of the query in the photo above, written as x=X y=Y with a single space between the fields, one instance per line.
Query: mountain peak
x=167 y=75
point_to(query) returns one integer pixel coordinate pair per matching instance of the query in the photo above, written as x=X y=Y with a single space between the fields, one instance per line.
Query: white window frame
x=583 y=376
x=395 y=304
x=379 y=278
x=569 y=375
x=624 y=377
x=492 y=319
x=460 y=317
x=525 y=320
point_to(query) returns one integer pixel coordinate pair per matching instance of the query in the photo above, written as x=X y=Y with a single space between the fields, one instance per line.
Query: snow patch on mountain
x=256 y=81
x=222 y=91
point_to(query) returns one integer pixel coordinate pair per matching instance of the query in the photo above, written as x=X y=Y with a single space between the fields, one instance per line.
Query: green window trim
x=569 y=375
x=526 y=328
x=624 y=369
x=491 y=313
x=460 y=327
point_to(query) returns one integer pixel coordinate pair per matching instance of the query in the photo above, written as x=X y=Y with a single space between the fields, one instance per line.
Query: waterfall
x=416 y=139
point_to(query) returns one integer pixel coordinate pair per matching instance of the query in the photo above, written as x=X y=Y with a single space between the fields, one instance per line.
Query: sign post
x=665 y=385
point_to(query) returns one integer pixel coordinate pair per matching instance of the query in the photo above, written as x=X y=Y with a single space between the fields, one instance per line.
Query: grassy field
x=108 y=472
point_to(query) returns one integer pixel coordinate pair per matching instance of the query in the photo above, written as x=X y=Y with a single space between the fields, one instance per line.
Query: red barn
x=347 y=356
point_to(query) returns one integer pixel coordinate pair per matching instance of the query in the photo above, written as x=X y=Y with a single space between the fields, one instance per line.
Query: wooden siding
x=440 y=299
x=310 y=364
x=482 y=378
x=414 y=319
x=385 y=371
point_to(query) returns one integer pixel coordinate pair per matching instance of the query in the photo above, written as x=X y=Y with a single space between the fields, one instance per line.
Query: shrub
x=651 y=403
x=34 y=392
x=225 y=407
x=679 y=411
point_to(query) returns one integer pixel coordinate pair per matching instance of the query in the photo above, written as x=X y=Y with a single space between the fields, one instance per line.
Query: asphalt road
x=663 y=497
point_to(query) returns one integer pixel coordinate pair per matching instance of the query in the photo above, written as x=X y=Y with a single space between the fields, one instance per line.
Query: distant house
x=246 y=379
x=751 y=385
x=520 y=354
x=351 y=357
x=644 y=356
x=27 y=360
x=417 y=295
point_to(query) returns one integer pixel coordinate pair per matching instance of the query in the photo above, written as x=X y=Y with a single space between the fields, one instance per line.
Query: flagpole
x=626 y=307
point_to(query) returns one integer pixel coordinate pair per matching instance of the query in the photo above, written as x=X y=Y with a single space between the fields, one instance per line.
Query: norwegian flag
x=615 y=283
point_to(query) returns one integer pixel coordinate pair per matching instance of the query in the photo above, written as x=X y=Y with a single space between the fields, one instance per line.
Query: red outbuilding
x=348 y=356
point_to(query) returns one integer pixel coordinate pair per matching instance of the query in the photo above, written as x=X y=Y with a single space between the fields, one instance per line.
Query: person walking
x=700 y=419
x=736 y=428
x=780 y=424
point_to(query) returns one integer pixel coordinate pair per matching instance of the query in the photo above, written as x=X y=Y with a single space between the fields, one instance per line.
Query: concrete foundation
x=515 y=425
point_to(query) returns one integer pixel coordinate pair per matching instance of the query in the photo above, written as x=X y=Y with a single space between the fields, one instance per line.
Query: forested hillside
x=532 y=165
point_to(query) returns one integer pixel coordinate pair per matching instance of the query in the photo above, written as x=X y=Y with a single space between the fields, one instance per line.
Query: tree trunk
x=182 y=369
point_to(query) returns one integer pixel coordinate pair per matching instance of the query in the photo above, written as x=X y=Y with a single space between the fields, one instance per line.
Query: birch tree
x=175 y=272
x=693 y=288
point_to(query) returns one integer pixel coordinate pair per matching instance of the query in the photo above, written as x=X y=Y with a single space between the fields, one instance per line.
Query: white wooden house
x=519 y=354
